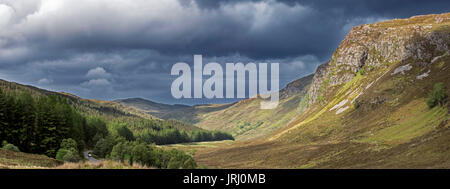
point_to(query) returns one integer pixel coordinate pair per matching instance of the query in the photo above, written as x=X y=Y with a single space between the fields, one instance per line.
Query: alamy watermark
x=182 y=86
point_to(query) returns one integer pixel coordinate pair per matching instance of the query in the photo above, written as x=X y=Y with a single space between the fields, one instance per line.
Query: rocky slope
x=366 y=107
x=420 y=39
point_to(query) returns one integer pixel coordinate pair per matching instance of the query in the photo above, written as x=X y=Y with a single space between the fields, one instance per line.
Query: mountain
x=365 y=108
x=244 y=119
x=188 y=114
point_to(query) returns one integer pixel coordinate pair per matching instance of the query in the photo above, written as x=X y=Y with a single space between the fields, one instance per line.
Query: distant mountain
x=189 y=114
x=243 y=119
x=365 y=108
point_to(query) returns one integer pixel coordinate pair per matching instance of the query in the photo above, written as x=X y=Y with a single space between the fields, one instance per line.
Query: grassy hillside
x=112 y=112
x=244 y=119
x=20 y=160
x=367 y=107
x=105 y=109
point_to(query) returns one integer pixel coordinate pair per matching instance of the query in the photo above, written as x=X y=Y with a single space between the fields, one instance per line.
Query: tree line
x=166 y=132
x=50 y=125
x=39 y=125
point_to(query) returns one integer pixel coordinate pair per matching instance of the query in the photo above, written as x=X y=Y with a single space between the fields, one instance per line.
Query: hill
x=188 y=114
x=244 y=119
x=367 y=106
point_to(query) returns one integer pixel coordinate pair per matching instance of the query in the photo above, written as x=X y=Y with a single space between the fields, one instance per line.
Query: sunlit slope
x=246 y=120
x=367 y=106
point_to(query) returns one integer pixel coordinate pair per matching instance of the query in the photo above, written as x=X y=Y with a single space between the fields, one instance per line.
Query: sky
x=114 y=49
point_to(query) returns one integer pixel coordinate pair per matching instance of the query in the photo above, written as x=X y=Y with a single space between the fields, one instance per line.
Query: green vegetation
x=39 y=126
x=61 y=128
x=437 y=96
x=8 y=146
x=164 y=132
x=151 y=156
x=68 y=151
x=361 y=71
x=356 y=104
x=124 y=132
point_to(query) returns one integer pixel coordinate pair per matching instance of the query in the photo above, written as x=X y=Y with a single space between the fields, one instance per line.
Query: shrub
x=61 y=153
x=361 y=71
x=4 y=143
x=437 y=96
x=356 y=104
x=11 y=147
x=67 y=155
x=126 y=133
x=68 y=151
x=69 y=144
x=104 y=146
x=71 y=156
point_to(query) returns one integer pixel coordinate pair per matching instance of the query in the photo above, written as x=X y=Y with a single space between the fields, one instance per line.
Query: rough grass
x=246 y=120
x=410 y=121
x=19 y=160
x=105 y=164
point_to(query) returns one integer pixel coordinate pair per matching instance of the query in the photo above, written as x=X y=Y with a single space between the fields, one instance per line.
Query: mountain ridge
x=366 y=107
x=218 y=116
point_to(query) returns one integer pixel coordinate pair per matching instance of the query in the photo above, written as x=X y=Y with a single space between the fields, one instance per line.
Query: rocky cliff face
x=296 y=87
x=419 y=39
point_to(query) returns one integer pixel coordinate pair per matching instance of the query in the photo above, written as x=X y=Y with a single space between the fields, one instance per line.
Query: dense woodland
x=49 y=124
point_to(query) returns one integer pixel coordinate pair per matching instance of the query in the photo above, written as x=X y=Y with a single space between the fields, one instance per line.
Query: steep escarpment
x=377 y=46
x=367 y=107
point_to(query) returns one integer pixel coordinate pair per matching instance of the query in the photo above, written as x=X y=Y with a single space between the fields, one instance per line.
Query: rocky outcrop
x=318 y=79
x=419 y=39
x=296 y=87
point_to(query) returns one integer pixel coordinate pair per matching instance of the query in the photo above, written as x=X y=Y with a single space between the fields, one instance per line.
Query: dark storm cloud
x=392 y=8
x=117 y=48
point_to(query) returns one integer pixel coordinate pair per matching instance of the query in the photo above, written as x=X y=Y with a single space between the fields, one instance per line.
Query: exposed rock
x=377 y=45
x=402 y=69
x=438 y=57
x=297 y=86
x=424 y=75
x=369 y=85
x=318 y=78
x=342 y=110
x=339 y=105
x=356 y=97
x=378 y=100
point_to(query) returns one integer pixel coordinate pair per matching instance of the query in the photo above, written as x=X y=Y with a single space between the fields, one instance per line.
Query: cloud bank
x=111 y=49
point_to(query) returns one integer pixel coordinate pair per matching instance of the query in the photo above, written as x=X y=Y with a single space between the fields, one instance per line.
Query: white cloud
x=44 y=81
x=98 y=72
x=6 y=13
x=96 y=83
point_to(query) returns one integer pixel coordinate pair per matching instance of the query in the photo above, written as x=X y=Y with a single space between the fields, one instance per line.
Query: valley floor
x=428 y=151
